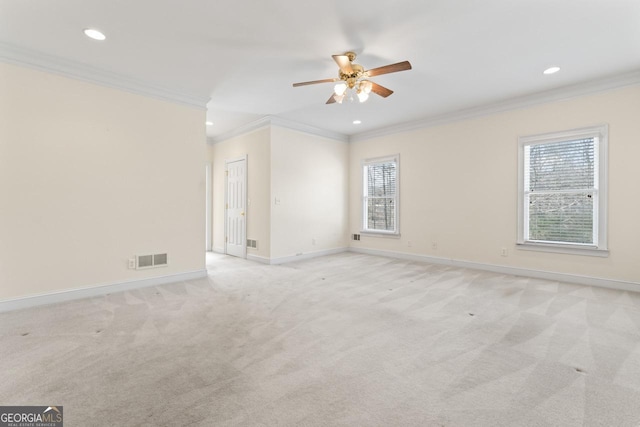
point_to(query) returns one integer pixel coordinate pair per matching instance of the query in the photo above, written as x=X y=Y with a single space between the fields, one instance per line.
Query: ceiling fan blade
x=344 y=63
x=331 y=100
x=380 y=90
x=313 y=82
x=392 y=68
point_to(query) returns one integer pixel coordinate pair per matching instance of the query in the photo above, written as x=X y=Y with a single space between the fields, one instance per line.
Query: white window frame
x=364 y=229
x=599 y=247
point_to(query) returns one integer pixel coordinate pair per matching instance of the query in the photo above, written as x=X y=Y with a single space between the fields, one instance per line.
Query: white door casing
x=208 y=209
x=236 y=201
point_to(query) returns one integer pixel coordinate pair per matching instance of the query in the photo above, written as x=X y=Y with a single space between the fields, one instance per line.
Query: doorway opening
x=208 y=210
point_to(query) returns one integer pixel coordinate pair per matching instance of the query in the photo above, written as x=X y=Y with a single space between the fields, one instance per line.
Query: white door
x=236 y=221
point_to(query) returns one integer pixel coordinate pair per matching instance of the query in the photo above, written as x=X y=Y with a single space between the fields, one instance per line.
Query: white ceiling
x=245 y=54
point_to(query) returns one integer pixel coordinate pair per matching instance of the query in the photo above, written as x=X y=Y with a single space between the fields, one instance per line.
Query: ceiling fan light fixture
x=365 y=86
x=355 y=76
x=340 y=89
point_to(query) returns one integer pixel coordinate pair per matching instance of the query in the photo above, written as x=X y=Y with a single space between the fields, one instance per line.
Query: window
x=562 y=191
x=380 y=195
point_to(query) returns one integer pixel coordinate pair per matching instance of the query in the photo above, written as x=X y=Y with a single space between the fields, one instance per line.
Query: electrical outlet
x=504 y=252
x=434 y=246
x=132 y=263
x=409 y=243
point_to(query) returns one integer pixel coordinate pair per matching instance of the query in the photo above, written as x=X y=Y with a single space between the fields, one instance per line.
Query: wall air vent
x=252 y=244
x=144 y=261
x=151 y=261
x=159 y=260
x=355 y=237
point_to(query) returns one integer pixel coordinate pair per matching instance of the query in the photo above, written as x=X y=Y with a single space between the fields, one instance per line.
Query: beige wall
x=307 y=174
x=309 y=177
x=91 y=176
x=459 y=186
x=256 y=146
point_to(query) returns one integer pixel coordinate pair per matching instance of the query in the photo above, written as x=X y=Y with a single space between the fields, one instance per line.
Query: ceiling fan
x=354 y=76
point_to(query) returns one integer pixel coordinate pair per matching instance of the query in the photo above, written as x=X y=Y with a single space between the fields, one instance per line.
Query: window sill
x=386 y=234
x=563 y=249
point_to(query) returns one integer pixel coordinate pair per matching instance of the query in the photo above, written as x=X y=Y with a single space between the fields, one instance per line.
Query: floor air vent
x=151 y=261
x=251 y=243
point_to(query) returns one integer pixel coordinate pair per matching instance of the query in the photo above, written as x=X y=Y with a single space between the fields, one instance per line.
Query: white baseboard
x=515 y=271
x=258 y=258
x=73 y=294
x=218 y=250
x=307 y=255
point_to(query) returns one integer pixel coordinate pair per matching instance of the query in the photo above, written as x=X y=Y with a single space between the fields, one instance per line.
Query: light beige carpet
x=349 y=340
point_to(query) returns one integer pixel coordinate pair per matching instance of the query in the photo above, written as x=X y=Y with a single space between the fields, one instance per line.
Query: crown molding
x=241 y=130
x=280 y=122
x=292 y=125
x=79 y=71
x=552 y=95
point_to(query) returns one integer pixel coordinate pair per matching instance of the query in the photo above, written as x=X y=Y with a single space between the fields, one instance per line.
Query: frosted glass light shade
x=340 y=88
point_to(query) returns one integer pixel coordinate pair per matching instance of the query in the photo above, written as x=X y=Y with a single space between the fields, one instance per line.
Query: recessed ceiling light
x=356 y=122
x=209 y=123
x=551 y=70
x=94 y=34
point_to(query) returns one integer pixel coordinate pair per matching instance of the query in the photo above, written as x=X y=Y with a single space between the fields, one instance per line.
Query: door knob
x=242 y=213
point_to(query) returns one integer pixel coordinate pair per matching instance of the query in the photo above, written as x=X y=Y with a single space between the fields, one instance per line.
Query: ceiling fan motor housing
x=351 y=79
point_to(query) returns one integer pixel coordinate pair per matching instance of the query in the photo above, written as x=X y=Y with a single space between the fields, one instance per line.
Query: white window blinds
x=380 y=201
x=561 y=195
x=561 y=192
